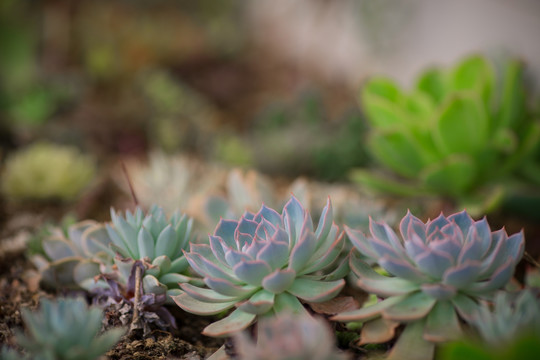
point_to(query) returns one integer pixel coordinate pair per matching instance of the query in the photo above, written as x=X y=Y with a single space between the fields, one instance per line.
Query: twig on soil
x=136 y=301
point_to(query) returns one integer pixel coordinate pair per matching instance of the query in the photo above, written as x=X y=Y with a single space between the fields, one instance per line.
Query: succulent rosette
x=286 y=337
x=263 y=264
x=438 y=272
x=157 y=241
x=511 y=316
x=74 y=257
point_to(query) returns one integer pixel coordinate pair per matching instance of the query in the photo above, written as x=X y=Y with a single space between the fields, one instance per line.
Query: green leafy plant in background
x=263 y=264
x=460 y=133
x=181 y=118
x=510 y=329
x=27 y=99
x=437 y=273
x=47 y=172
x=303 y=139
x=64 y=329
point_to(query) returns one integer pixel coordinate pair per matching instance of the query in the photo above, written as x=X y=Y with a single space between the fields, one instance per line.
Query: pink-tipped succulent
x=438 y=272
x=286 y=337
x=263 y=264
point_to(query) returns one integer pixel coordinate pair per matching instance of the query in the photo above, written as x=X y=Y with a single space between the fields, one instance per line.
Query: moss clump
x=45 y=171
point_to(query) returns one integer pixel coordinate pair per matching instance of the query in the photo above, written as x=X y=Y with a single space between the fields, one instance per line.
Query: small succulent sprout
x=45 y=171
x=512 y=315
x=438 y=273
x=263 y=264
x=74 y=258
x=157 y=241
x=289 y=336
x=66 y=329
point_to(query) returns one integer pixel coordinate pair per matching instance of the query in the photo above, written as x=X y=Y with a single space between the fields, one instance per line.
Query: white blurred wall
x=346 y=40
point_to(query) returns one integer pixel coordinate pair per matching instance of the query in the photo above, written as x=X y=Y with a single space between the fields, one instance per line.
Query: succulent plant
x=75 y=257
x=263 y=264
x=459 y=133
x=155 y=240
x=65 y=329
x=513 y=314
x=173 y=182
x=289 y=337
x=438 y=272
x=121 y=297
x=45 y=171
x=510 y=329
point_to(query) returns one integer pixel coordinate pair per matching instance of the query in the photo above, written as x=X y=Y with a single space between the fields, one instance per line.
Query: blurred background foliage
x=271 y=85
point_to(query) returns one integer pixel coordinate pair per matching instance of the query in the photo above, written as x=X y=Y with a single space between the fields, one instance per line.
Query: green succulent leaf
x=433 y=82
x=411 y=344
x=384 y=184
x=236 y=321
x=316 y=291
x=442 y=323
x=415 y=306
x=462 y=127
x=476 y=74
x=454 y=175
x=397 y=149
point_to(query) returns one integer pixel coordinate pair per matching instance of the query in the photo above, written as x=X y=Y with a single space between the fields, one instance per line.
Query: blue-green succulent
x=265 y=263
x=438 y=272
x=65 y=329
x=157 y=241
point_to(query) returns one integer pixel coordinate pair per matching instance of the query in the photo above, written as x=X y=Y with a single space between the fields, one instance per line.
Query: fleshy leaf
x=462 y=126
x=206 y=295
x=442 y=323
x=227 y=288
x=462 y=275
x=279 y=280
x=378 y=330
x=413 y=307
x=411 y=344
x=236 y=321
x=194 y=306
x=145 y=244
x=260 y=303
x=315 y=291
x=368 y=313
x=252 y=272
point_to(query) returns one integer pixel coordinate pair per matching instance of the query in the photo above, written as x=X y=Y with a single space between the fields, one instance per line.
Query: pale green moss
x=45 y=171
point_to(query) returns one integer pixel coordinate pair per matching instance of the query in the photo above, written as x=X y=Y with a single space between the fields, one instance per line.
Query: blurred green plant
x=46 y=171
x=302 y=138
x=180 y=116
x=65 y=329
x=524 y=348
x=460 y=133
x=27 y=98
